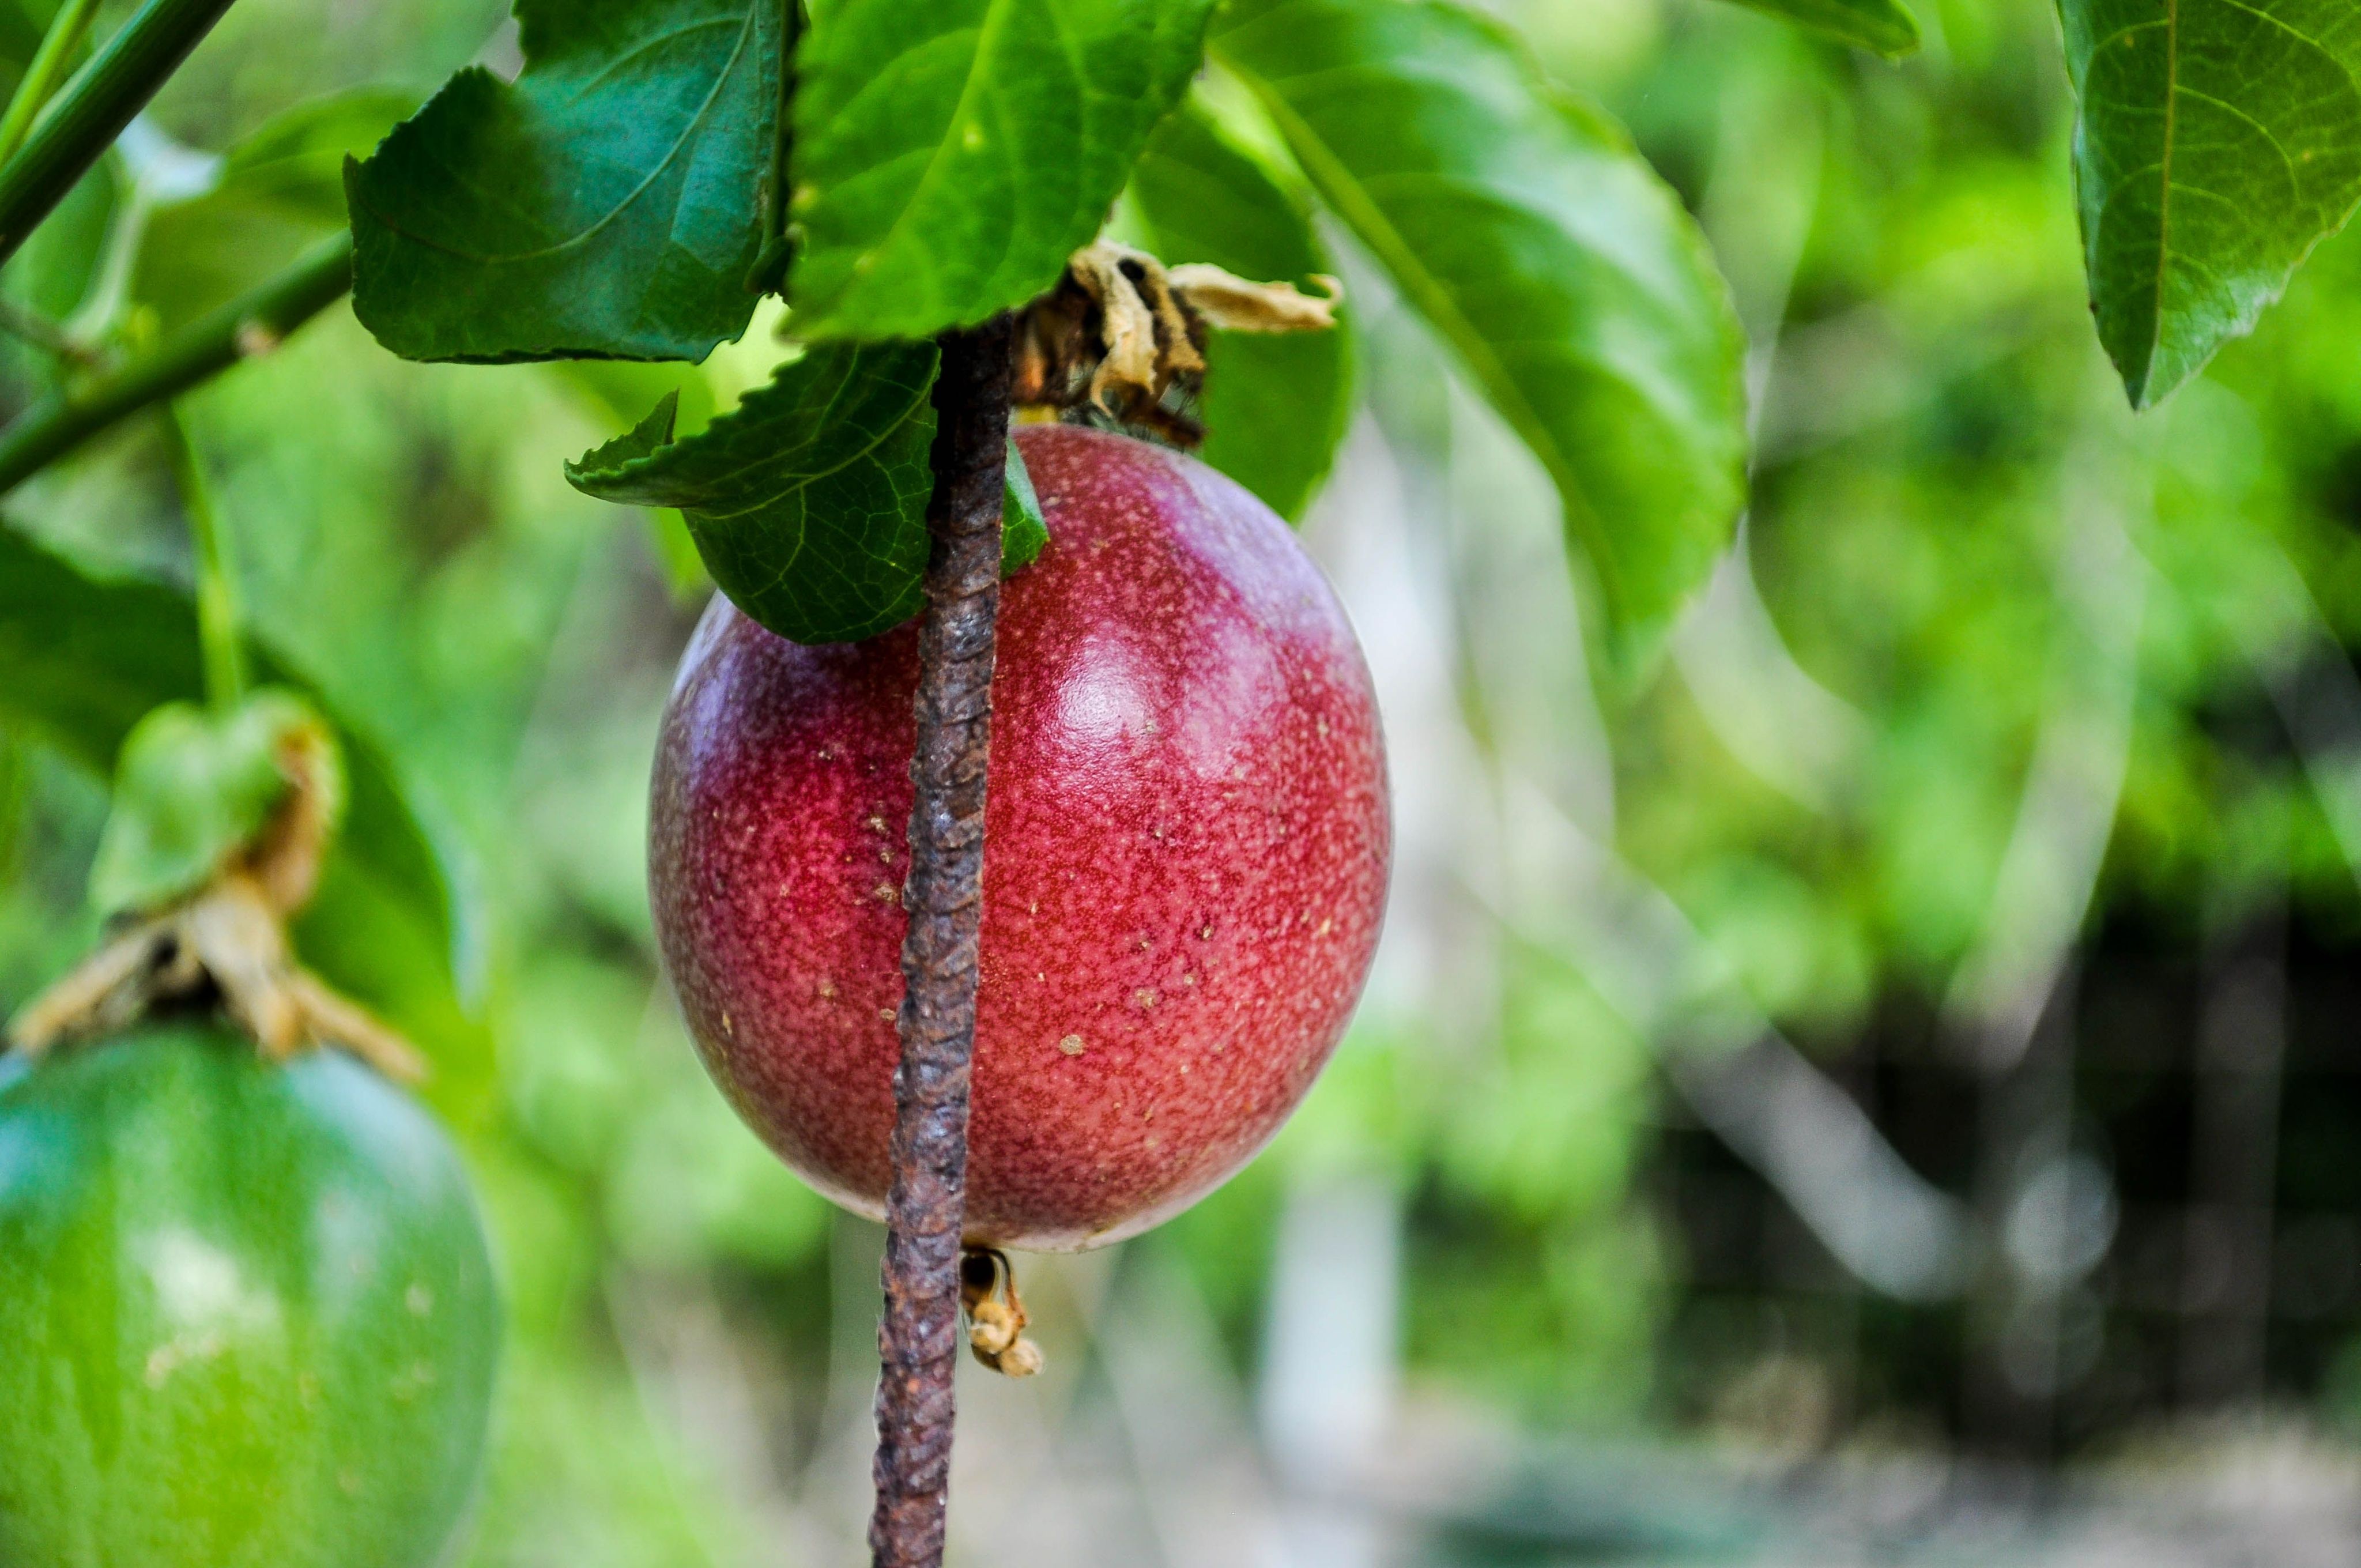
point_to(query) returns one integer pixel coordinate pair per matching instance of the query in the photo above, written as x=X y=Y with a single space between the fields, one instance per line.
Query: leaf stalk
x=217 y=571
x=92 y=109
x=251 y=324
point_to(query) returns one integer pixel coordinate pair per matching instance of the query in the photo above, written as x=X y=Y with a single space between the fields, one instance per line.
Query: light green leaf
x=84 y=658
x=950 y=157
x=50 y=276
x=1275 y=405
x=610 y=202
x=279 y=190
x=1882 y=27
x=1579 y=297
x=191 y=788
x=809 y=500
x=2219 y=141
x=294 y=162
x=1024 y=528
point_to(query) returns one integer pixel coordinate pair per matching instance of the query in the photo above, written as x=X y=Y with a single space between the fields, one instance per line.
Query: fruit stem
x=224 y=656
x=919 y=1338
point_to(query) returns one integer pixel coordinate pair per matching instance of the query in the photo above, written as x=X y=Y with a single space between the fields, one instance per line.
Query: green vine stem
x=59 y=45
x=250 y=325
x=216 y=569
x=95 y=107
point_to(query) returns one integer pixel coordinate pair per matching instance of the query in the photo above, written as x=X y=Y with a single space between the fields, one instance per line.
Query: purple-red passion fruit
x=1184 y=869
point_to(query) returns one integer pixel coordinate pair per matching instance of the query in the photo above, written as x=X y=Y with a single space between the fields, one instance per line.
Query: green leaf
x=20 y=35
x=1882 y=27
x=950 y=157
x=616 y=391
x=1521 y=222
x=280 y=189
x=294 y=162
x=1275 y=405
x=809 y=500
x=50 y=276
x=1024 y=530
x=191 y=788
x=608 y=203
x=2219 y=141
x=84 y=659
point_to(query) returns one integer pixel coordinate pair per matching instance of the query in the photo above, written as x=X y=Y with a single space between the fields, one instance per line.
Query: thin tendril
x=224 y=656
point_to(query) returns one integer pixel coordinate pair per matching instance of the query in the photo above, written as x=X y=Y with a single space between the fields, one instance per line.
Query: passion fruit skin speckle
x=1184 y=868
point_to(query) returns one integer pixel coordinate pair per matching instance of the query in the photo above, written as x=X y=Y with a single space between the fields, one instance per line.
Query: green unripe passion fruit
x=246 y=1312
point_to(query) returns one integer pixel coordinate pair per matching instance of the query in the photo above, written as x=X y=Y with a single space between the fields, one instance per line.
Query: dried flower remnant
x=1122 y=336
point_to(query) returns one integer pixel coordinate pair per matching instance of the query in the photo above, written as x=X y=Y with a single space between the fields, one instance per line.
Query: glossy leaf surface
x=2218 y=142
x=809 y=500
x=1521 y=222
x=249 y=1311
x=610 y=203
x=950 y=157
x=1275 y=405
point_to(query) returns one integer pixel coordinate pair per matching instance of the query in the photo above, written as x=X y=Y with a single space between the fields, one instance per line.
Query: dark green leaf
x=610 y=203
x=809 y=500
x=1024 y=530
x=951 y=156
x=1538 y=244
x=1882 y=27
x=617 y=389
x=191 y=788
x=84 y=659
x=1276 y=405
x=2219 y=141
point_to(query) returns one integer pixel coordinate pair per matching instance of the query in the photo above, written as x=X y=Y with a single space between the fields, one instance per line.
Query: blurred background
x=1888 y=1095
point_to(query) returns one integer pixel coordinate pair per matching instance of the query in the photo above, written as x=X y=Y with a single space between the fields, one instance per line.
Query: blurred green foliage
x=1943 y=461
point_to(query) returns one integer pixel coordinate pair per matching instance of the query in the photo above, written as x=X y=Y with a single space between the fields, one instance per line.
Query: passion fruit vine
x=1186 y=845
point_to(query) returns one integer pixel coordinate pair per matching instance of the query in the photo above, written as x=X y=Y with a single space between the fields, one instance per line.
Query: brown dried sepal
x=226 y=943
x=1228 y=300
x=996 y=1315
x=1124 y=335
x=284 y=858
